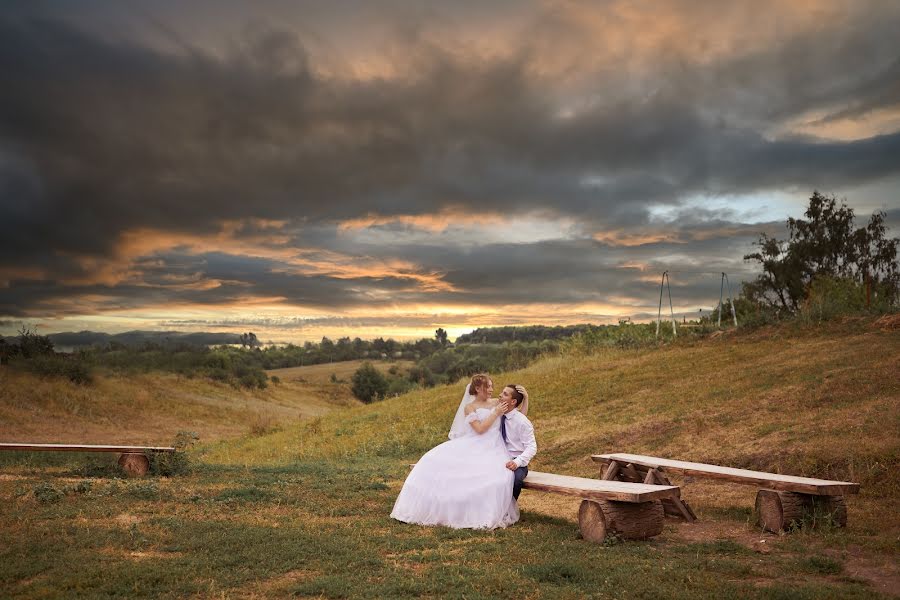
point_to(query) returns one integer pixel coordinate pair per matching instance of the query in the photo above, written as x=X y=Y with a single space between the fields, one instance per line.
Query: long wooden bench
x=784 y=500
x=132 y=459
x=628 y=510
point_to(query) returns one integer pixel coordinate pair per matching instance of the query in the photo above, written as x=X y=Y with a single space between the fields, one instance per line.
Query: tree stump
x=134 y=464
x=779 y=511
x=629 y=520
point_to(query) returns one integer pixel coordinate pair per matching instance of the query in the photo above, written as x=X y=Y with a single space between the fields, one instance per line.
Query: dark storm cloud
x=99 y=136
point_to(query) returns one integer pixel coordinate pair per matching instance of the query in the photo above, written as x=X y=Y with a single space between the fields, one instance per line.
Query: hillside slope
x=151 y=408
x=817 y=401
x=303 y=512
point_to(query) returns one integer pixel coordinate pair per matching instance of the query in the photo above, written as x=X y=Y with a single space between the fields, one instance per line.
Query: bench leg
x=674 y=507
x=134 y=464
x=631 y=521
x=779 y=511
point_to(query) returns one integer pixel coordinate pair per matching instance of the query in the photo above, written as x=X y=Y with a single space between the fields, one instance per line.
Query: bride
x=464 y=483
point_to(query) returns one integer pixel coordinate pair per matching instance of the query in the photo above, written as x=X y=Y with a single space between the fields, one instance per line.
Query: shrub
x=369 y=384
x=398 y=386
x=59 y=366
x=167 y=464
x=830 y=297
x=423 y=376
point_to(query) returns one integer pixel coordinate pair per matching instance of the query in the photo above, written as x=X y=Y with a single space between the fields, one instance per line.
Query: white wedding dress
x=462 y=483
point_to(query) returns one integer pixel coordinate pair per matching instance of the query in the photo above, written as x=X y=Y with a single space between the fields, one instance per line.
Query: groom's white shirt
x=520 y=440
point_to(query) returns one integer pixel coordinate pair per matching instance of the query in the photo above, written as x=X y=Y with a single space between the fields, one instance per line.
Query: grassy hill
x=342 y=371
x=303 y=510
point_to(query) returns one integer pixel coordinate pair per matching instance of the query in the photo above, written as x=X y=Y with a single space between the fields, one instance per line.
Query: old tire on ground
x=134 y=464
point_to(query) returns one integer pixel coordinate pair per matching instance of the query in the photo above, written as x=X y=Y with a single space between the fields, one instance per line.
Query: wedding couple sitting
x=474 y=480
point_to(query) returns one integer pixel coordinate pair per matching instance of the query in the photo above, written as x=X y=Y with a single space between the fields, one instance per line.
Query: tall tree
x=825 y=244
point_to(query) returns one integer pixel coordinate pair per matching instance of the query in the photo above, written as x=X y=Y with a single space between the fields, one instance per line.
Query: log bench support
x=673 y=507
x=785 y=511
x=598 y=519
x=134 y=464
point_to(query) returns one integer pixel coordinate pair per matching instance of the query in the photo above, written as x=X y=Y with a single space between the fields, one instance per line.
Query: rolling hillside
x=303 y=510
x=818 y=401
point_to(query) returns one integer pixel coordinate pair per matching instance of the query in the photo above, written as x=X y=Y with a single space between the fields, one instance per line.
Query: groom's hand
x=511 y=465
x=521 y=389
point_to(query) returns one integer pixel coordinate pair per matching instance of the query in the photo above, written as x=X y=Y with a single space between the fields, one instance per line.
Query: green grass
x=303 y=511
x=320 y=529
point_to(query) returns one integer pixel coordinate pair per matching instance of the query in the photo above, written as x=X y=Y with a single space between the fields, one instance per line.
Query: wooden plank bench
x=628 y=510
x=133 y=459
x=784 y=500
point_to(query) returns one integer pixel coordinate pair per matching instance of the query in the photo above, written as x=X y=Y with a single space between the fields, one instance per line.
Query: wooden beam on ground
x=788 y=483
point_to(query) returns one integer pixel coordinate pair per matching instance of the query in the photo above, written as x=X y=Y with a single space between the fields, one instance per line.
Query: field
x=342 y=371
x=301 y=510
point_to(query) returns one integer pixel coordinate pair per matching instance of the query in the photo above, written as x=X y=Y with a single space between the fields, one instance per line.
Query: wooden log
x=134 y=464
x=780 y=511
x=592 y=521
x=674 y=507
x=629 y=473
x=830 y=509
x=631 y=521
x=611 y=471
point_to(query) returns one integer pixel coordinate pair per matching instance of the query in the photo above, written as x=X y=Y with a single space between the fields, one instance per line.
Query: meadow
x=301 y=509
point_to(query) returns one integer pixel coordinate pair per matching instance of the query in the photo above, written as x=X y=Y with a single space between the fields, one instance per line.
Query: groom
x=518 y=433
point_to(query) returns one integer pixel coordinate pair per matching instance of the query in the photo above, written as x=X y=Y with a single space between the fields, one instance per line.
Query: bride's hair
x=516 y=394
x=478 y=382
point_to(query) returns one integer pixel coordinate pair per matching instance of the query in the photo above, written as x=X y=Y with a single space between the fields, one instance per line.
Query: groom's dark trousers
x=519 y=476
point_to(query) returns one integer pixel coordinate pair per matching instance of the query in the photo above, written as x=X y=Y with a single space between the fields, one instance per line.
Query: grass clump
x=820 y=565
x=48 y=493
x=168 y=464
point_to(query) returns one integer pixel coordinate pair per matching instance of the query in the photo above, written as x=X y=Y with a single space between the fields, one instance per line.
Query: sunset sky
x=362 y=168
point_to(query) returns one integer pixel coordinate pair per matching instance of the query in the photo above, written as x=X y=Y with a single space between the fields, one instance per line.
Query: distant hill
x=81 y=339
x=526 y=333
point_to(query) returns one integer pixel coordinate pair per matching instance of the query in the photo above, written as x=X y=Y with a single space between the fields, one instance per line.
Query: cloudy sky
x=301 y=168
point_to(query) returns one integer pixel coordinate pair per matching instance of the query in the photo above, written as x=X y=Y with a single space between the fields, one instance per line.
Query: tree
x=31 y=344
x=369 y=384
x=825 y=244
x=441 y=336
x=250 y=340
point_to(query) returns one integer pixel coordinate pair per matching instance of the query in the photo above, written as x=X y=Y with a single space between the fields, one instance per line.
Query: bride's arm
x=484 y=425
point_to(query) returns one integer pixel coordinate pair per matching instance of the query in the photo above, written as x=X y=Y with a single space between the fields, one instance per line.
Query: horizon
x=304 y=170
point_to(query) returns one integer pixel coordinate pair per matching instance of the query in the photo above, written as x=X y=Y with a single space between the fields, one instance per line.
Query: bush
x=397 y=386
x=423 y=376
x=168 y=464
x=369 y=384
x=59 y=366
x=831 y=297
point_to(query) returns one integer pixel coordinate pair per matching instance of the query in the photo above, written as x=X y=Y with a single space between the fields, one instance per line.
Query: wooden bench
x=784 y=500
x=133 y=459
x=628 y=510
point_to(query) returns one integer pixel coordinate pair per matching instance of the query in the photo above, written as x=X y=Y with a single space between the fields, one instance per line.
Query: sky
x=362 y=168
